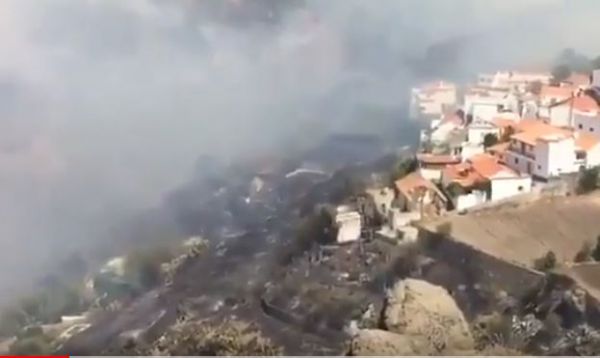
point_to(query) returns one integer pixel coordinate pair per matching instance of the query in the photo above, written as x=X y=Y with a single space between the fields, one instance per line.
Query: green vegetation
x=489 y=140
x=596 y=252
x=588 y=181
x=546 y=262
x=585 y=253
x=403 y=168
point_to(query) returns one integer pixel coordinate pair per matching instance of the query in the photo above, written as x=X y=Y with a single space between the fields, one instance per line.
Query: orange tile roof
x=585 y=103
x=477 y=169
x=529 y=131
x=414 y=181
x=499 y=148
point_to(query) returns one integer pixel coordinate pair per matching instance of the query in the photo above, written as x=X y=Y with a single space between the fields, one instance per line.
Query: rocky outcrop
x=372 y=342
x=418 y=308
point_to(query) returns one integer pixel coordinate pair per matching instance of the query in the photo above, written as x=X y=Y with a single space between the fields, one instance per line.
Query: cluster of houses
x=507 y=134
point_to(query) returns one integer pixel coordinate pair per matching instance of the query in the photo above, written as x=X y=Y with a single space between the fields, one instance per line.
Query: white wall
x=469 y=200
x=506 y=187
x=476 y=133
x=587 y=123
x=519 y=162
x=555 y=158
x=596 y=78
x=441 y=133
x=560 y=116
x=484 y=111
x=348 y=226
x=593 y=157
x=469 y=150
x=431 y=174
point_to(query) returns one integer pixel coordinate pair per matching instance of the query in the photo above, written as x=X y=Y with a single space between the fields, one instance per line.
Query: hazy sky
x=105 y=104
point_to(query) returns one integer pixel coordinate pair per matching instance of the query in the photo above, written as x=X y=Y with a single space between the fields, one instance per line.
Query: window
x=520 y=188
x=516 y=160
x=539 y=167
x=580 y=126
x=591 y=129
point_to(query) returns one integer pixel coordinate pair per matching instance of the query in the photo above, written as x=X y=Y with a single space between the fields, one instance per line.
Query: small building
x=546 y=151
x=348 y=224
x=415 y=193
x=483 y=178
x=430 y=166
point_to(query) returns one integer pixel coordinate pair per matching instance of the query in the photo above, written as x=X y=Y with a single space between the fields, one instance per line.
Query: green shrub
x=546 y=262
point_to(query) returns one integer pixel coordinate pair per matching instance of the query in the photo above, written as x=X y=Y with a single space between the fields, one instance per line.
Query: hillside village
x=510 y=136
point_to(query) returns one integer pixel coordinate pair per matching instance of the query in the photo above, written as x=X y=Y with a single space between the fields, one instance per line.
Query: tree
x=546 y=262
x=596 y=252
x=585 y=253
x=489 y=140
x=588 y=181
x=561 y=72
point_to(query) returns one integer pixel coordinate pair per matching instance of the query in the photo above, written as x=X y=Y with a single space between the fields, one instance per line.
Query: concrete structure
x=348 y=223
x=415 y=193
x=545 y=151
x=441 y=130
x=431 y=100
x=383 y=199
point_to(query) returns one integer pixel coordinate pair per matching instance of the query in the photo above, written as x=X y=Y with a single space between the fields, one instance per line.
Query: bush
x=596 y=252
x=585 y=253
x=588 y=181
x=403 y=168
x=489 y=140
x=546 y=262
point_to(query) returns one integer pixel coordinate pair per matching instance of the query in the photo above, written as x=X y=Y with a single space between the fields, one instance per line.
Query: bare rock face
x=376 y=342
x=418 y=308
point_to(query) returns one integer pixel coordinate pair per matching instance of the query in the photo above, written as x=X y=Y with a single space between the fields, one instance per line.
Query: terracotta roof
x=477 y=169
x=529 y=131
x=585 y=103
x=499 y=148
x=585 y=141
x=428 y=158
x=414 y=181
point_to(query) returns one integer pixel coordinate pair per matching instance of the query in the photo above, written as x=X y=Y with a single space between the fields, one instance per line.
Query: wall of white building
x=466 y=201
x=559 y=116
x=349 y=226
x=584 y=122
x=484 y=111
x=506 y=187
x=477 y=132
x=593 y=156
x=553 y=158
x=469 y=150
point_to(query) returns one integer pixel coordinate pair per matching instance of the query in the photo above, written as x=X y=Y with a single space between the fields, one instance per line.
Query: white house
x=430 y=166
x=563 y=113
x=586 y=115
x=545 y=151
x=348 y=225
x=478 y=129
x=483 y=178
x=431 y=100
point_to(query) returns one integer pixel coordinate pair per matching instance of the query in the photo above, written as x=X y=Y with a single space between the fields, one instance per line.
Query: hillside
x=526 y=232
